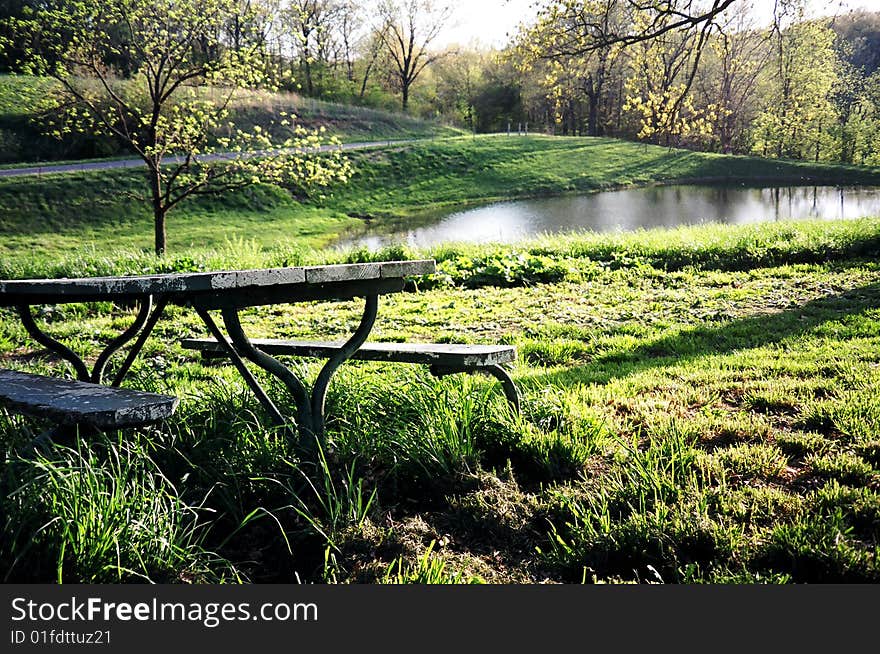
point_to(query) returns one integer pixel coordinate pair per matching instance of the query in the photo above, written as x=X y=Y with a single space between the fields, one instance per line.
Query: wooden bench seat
x=443 y=358
x=78 y=403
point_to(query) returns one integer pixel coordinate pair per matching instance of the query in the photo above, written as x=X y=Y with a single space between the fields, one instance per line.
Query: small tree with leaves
x=159 y=76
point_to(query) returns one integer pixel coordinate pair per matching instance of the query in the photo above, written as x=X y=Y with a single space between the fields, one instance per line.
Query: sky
x=488 y=22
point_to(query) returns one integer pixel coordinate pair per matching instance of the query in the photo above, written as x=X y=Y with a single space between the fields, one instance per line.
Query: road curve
x=50 y=169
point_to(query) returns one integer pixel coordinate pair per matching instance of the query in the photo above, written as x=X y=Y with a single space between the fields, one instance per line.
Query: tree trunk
x=594 y=96
x=159 y=210
x=307 y=68
x=374 y=55
x=405 y=97
x=593 y=116
x=726 y=137
x=161 y=238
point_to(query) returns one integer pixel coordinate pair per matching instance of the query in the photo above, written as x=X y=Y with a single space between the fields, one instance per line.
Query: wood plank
x=407 y=268
x=153 y=284
x=180 y=285
x=289 y=293
x=111 y=287
x=442 y=354
x=343 y=273
x=361 y=271
x=269 y=277
x=73 y=402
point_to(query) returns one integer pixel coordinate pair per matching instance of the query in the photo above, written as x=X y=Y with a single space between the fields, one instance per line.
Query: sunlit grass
x=690 y=415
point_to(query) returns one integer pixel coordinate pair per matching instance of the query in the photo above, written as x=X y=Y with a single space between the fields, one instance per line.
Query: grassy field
x=60 y=216
x=699 y=406
x=22 y=140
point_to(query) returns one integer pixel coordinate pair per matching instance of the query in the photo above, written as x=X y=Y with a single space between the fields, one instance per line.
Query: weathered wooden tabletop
x=222 y=288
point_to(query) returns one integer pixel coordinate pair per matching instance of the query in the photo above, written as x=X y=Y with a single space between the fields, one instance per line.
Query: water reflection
x=628 y=210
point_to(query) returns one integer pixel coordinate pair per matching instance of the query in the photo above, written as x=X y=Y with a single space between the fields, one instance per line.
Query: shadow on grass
x=691 y=344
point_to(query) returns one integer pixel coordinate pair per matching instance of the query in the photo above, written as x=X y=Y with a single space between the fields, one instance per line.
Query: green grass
x=70 y=214
x=695 y=410
x=22 y=141
x=62 y=215
x=699 y=403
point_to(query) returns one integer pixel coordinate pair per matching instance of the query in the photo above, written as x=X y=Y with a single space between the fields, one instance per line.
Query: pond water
x=627 y=210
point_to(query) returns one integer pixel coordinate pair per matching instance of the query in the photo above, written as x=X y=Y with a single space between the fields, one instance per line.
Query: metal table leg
x=508 y=386
x=310 y=406
x=141 y=341
x=319 y=392
x=144 y=324
x=241 y=346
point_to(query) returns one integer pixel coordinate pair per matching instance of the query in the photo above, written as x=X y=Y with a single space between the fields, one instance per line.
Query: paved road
x=136 y=163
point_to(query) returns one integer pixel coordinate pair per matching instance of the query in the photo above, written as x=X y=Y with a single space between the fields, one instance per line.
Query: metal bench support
x=511 y=392
x=443 y=359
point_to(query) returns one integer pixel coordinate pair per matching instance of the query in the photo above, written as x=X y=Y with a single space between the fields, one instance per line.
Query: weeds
x=98 y=515
x=428 y=569
x=334 y=507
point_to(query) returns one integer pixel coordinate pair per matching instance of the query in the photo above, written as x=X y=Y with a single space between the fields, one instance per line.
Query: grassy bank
x=497 y=168
x=62 y=215
x=699 y=406
x=22 y=140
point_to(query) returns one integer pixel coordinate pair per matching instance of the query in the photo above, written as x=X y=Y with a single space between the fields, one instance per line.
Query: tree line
x=714 y=75
x=705 y=74
x=355 y=51
x=735 y=82
x=159 y=77
x=798 y=87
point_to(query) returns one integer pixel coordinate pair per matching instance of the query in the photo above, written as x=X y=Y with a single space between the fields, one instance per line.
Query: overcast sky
x=489 y=21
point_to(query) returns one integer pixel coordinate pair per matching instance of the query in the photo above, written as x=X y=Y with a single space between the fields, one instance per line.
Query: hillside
x=61 y=215
x=22 y=140
x=397 y=181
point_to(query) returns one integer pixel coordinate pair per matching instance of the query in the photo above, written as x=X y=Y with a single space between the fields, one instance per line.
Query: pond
x=626 y=210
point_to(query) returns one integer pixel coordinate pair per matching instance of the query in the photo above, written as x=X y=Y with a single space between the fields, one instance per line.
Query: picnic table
x=226 y=292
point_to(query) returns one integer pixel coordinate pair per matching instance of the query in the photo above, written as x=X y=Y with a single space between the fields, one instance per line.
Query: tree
x=659 y=89
x=458 y=77
x=860 y=30
x=574 y=42
x=583 y=42
x=407 y=30
x=737 y=55
x=350 y=24
x=171 y=103
x=657 y=18
x=498 y=100
x=11 y=46
x=250 y=24
x=799 y=118
x=316 y=27
x=867 y=139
